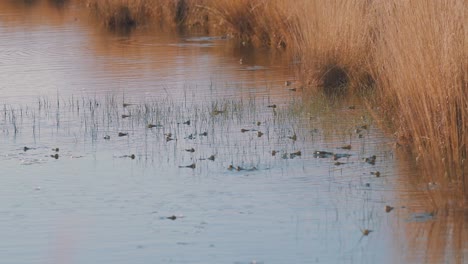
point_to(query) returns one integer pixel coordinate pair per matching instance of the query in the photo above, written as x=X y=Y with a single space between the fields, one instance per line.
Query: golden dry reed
x=413 y=54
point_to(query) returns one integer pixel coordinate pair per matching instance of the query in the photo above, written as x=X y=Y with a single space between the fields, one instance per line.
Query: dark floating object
x=323 y=154
x=285 y=156
x=367 y=184
x=293 y=137
x=243 y=130
x=293 y=89
x=153 y=125
x=26 y=149
x=205 y=134
x=352 y=107
x=191 y=166
x=191 y=150
x=55 y=149
x=132 y=156
x=55 y=156
x=125 y=116
x=272 y=106
x=186 y=123
x=273 y=152
x=376 y=173
x=339 y=163
x=346 y=147
x=212 y=157
x=259 y=123
x=172 y=217
x=337 y=156
x=361 y=136
x=168 y=138
x=366 y=232
x=371 y=160
x=295 y=154
x=191 y=136
x=287 y=83
x=106 y=137
x=388 y=208
x=230 y=167
x=121 y=134
x=259 y=134
x=126 y=104
x=168 y=134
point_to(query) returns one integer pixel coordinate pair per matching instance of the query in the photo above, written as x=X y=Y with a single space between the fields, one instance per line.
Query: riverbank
x=409 y=54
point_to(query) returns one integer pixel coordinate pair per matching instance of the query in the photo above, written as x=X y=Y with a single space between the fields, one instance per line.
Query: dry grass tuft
x=420 y=68
x=124 y=14
x=332 y=39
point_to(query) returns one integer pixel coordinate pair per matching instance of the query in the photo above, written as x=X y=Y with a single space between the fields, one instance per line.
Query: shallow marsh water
x=64 y=85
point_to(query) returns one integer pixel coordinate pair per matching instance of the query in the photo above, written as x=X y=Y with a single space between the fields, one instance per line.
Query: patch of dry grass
x=420 y=67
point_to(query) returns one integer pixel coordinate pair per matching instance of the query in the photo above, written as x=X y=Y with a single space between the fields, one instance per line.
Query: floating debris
x=287 y=83
x=243 y=130
x=212 y=157
x=352 y=107
x=55 y=149
x=172 y=217
x=285 y=156
x=295 y=154
x=273 y=152
x=366 y=232
x=191 y=136
x=323 y=154
x=191 y=150
x=106 y=137
x=186 y=123
x=168 y=134
x=204 y=134
x=367 y=184
x=345 y=147
x=38 y=188
x=376 y=173
x=272 y=106
x=388 y=208
x=259 y=134
x=168 y=139
x=26 y=149
x=153 y=125
x=339 y=163
x=191 y=166
x=126 y=104
x=371 y=160
x=121 y=134
x=337 y=156
x=56 y=156
x=361 y=136
x=293 y=89
x=132 y=156
x=259 y=123
x=230 y=167
x=293 y=137
x=125 y=116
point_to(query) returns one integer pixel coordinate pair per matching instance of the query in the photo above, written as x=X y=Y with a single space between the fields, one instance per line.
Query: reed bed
x=419 y=65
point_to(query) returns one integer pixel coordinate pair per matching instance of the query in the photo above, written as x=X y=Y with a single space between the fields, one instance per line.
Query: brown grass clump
x=261 y=23
x=420 y=68
x=332 y=39
x=126 y=14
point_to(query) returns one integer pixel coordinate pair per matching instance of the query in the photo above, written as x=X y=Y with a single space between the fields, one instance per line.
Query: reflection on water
x=188 y=149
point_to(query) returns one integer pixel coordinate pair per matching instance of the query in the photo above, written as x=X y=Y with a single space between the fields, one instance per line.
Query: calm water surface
x=64 y=83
